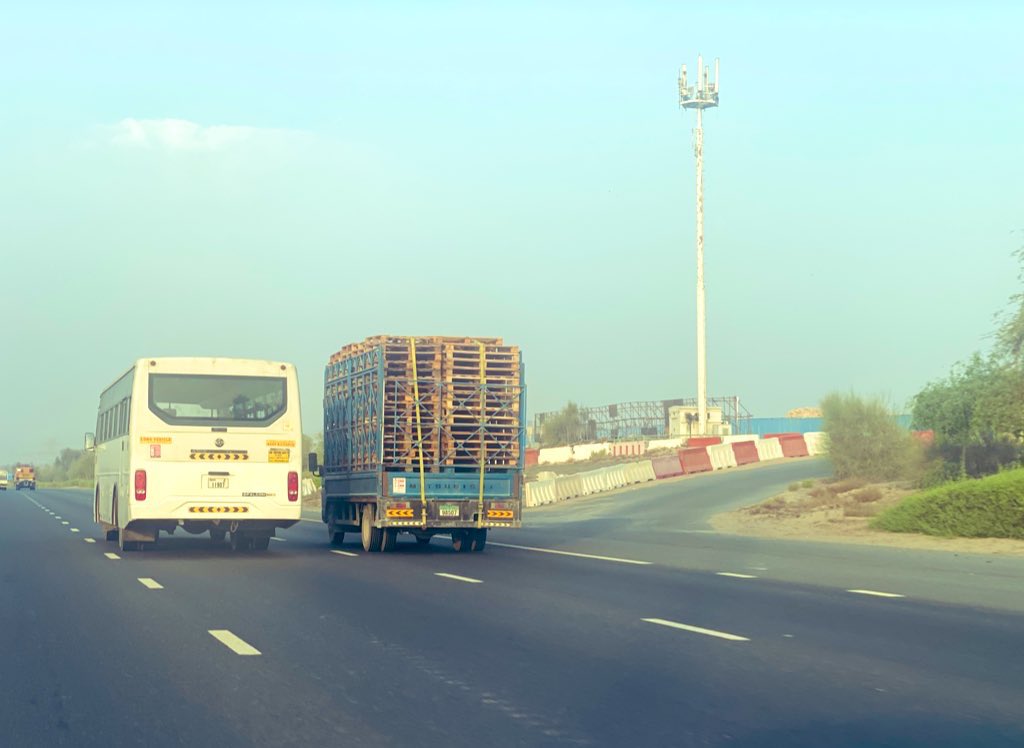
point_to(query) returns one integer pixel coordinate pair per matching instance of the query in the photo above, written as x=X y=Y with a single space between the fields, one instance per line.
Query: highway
x=612 y=621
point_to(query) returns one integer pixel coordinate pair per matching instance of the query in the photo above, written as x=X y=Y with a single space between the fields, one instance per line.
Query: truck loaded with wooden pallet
x=425 y=436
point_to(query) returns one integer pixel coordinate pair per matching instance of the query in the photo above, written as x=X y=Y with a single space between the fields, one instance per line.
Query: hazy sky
x=276 y=180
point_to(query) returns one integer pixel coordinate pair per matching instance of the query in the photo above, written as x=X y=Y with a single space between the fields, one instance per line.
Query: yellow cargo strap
x=483 y=446
x=419 y=429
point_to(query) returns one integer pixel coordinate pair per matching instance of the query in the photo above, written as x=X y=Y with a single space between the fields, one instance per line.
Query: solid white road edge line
x=279 y=540
x=876 y=593
x=345 y=553
x=457 y=578
x=575 y=555
x=697 y=629
x=232 y=642
x=735 y=575
x=150 y=584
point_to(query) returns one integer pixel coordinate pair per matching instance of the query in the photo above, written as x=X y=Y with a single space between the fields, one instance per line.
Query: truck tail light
x=293 y=486
x=140 y=485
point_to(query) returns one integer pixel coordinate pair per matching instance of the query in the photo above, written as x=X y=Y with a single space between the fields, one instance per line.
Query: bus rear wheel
x=240 y=541
x=217 y=534
x=260 y=543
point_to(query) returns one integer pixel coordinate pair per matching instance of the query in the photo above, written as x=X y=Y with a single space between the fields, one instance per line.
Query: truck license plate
x=216 y=482
x=448 y=510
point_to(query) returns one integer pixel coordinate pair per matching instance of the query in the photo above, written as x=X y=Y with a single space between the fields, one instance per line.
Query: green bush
x=990 y=507
x=866 y=442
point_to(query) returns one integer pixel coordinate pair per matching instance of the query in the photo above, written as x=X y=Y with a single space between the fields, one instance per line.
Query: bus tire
x=240 y=542
x=371 y=536
x=260 y=543
x=390 y=540
x=217 y=534
x=479 y=540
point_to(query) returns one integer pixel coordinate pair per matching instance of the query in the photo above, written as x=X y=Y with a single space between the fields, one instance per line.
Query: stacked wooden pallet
x=456 y=399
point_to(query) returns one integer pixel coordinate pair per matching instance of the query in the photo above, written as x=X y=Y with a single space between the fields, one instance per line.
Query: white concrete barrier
x=308 y=487
x=733 y=438
x=722 y=456
x=641 y=472
x=554 y=455
x=539 y=492
x=586 y=451
x=768 y=449
x=817 y=442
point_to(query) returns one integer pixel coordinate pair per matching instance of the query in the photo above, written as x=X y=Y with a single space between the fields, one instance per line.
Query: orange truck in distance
x=25 y=477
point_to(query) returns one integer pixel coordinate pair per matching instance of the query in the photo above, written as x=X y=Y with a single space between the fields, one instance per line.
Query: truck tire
x=423 y=539
x=479 y=540
x=372 y=537
x=462 y=540
x=390 y=540
x=334 y=535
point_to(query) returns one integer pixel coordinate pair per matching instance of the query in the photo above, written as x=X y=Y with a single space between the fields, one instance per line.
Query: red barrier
x=667 y=466
x=925 y=437
x=695 y=460
x=793 y=445
x=782 y=435
x=703 y=441
x=532 y=457
x=746 y=452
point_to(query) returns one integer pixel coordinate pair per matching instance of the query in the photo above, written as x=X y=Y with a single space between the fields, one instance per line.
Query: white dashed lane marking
x=735 y=575
x=574 y=555
x=697 y=629
x=232 y=642
x=112 y=556
x=457 y=578
x=345 y=553
x=279 y=540
x=150 y=584
x=876 y=593
x=90 y=540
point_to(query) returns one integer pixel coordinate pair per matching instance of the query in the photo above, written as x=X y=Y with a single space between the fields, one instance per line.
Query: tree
x=564 y=427
x=865 y=441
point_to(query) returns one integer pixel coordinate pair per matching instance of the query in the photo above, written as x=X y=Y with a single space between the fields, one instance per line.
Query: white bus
x=201 y=444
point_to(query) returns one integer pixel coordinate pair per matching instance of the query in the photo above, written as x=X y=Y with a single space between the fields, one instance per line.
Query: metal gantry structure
x=703 y=95
x=643 y=418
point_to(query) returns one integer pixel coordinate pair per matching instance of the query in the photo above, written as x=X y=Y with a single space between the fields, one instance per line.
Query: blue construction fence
x=762 y=426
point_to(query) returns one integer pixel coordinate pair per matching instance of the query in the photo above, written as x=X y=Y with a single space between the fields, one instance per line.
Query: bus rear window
x=215 y=400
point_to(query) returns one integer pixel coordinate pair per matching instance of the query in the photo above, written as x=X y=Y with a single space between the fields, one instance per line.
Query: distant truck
x=25 y=477
x=3 y=480
x=422 y=435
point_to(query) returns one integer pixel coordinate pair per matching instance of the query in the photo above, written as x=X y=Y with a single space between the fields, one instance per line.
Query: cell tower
x=700 y=97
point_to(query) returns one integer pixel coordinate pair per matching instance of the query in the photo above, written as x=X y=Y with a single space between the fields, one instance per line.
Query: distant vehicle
x=202 y=444
x=3 y=480
x=424 y=436
x=25 y=477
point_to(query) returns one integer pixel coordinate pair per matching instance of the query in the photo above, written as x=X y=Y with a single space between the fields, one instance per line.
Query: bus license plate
x=278 y=455
x=216 y=482
x=448 y=510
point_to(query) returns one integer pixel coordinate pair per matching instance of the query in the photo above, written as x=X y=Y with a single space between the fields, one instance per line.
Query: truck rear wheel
x=390 y=540
x=373 y=537
x=334 y=535
x=462 y=540
x=479 y=539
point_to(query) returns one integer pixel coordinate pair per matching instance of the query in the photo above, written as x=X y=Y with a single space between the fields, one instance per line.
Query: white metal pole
x=702 y=372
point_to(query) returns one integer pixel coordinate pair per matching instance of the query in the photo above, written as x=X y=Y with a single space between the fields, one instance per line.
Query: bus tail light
x=293 y=486
x=140 y=485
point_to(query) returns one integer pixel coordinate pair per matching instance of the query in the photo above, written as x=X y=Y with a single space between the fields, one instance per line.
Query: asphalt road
x=627 y=635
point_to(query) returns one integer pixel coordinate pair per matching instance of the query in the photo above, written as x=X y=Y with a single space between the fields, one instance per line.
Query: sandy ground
x=839 y=512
